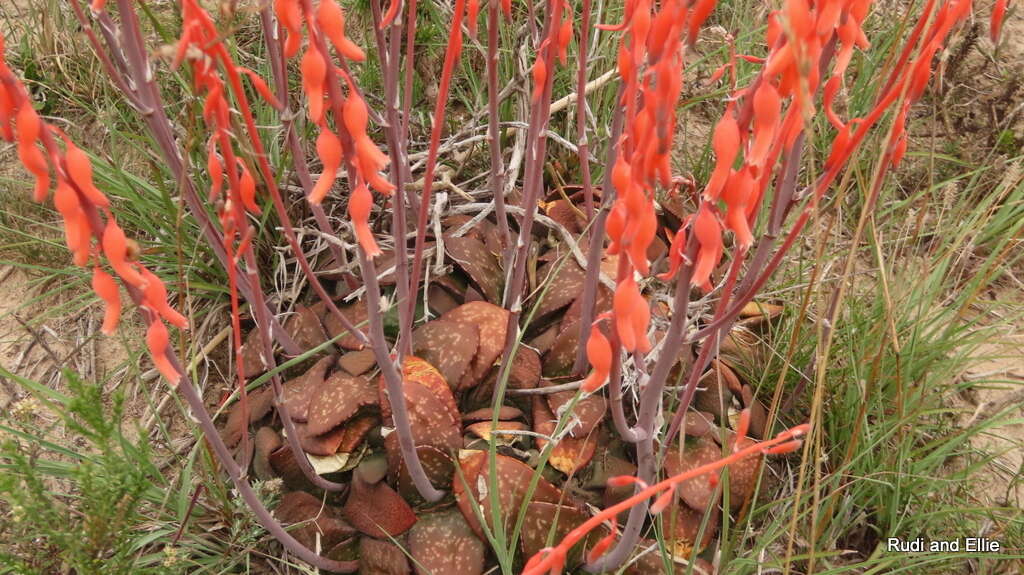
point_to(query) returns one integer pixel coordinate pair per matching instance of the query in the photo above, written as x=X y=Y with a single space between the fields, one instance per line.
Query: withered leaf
x=570 y=454
x=443 y=542
x=377 y=510
x=298 y=392
x=338 y=399
x=449 y=346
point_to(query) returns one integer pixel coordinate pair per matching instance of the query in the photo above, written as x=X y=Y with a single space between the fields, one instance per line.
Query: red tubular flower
x=539 y=72
x=215 y=169
x=676 y=254
x=360 y=202
x=767 y=105
x=996 y=23
x=314 y=73
x=157 y=339
x=156 y=300
x=599 y=354
x=247 y=189
x=331 y=19
x=389 y=16
x=602 y=546
x=700 y=12
x=28 y=127
x=709 y=235
x=472 y=14
x=105 y=287
x=76 y=227
x=290 y=15
x=564 y=37
x=726 y=144
x=737 y=195
x=328 y=147
x=642 y=231
x=115 y=247
x=632 y=315
x=615 y=225
x=80 y=172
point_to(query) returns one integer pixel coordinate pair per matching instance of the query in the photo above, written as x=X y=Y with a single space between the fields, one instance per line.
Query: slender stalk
x=583 y=145
x=493 y=128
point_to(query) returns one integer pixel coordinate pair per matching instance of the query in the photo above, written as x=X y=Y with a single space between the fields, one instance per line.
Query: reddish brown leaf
x=685 y=524
x=542 y=518
x=282 y=461
x=433 y=416
x=267 y=441
x=376 y=510
x=758 y=412
x=545 y=340
x=339 y=398
x=381 y=558
x=253 y=362
x=696 y=492
x=525 y=370
x=570 y=454
x=358 y=362
x=298 y=392
x=449 y=346
x=437 y=465
x=442 y=542
x=713 y=395
x=505 y=413
x=743 y=475
x=478 y=262
x=323 y=444
x=440 y=300
x=590 y=410
x=305 y=328
x=566 y=214
x=259 y=402
x=356 y=314
x=356 y=430
x=491 y=322
x=316 y=519
x=559 y=359
x=512 y=481
x=564 y=282
x=482 y=429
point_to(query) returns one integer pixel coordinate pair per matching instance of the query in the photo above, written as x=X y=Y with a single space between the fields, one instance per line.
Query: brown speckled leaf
x=267 y=441
x=542 y=518
x=442 y=542
x=298 y=392
x=433 y=415
x=713 y=395
x=284 y=465
x=590 y=410
x=696 y=492
x=511 y=484
x=316 y=519
x=685 y=523
x=338 y=399
x=526 y=369
x=545 y=340
x=381 y=558
x=437 y=465
x=564 y=213
x=358 y=362
x=376 y=510
x=449 y=346
x=562 y=354
x=304 y=326
x=743 y=475
x=259 y=403
x=253 y=362
x=478 y=262
x=570 y=454
x=758 y=412
x=482 y=429
x=564 y=284
x=356 y=430
x=439 y=300
x=320 y=444
x=491 y=322
x=505 y=413
x=356 y=314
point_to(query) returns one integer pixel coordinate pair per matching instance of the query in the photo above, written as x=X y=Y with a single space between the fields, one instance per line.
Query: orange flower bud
x=115 y=247
x=359 y=205
x=328 y=147
x=332 y=22
x=105 y=287
x=247 y=190
x=156 y=300
x=157 y=339
x=80 y=172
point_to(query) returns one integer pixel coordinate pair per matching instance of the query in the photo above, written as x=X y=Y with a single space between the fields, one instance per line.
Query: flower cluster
x=321 y=84
x=91 y=232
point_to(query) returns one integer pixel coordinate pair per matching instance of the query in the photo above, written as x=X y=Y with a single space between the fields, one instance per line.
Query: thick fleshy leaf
x=443 y=542
x=259 y=403
x=512 y=481
x=440 y=300
x=758 y=412
x=713 y=394
x=743 y=475
x=381 y=558
x=505 y=413
x=543 y=518
x=267 y=441
x=449 y=346
x=356 y=314
x=358 y=362
x=433 y=416
x=560 y=357
x=482 y=429
x=305 y=328
x=525 y=371
x=590 y=410
x=356 y=430
x=282 y=461
x=696 y=492
x=377 y=510
x=491 y=322
x=479 y=264
x=315 y=517
x=298 y=392
x=437 y=465
x=339 y=398
x=253 y=362
x=322 y=444
x=570 y=454
x=685 y=525
x=564 y=282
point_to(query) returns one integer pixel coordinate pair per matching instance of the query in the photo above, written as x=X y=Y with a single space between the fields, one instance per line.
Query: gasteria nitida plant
x=740 y=213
